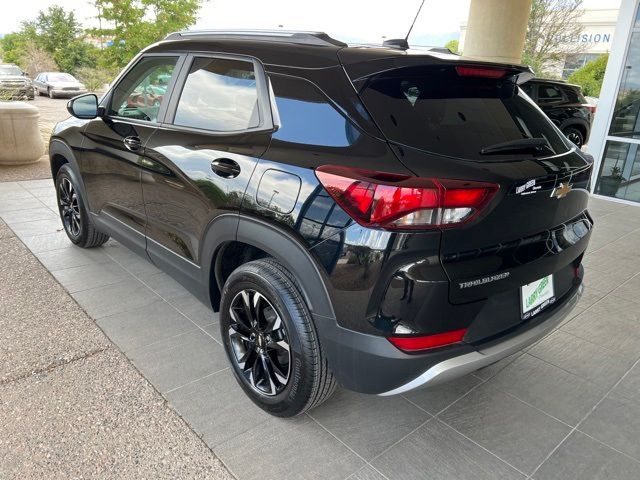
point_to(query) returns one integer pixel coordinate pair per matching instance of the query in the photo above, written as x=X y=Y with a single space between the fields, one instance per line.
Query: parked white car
x=57 y=84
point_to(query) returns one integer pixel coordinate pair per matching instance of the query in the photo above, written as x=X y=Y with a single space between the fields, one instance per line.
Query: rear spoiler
x=364 y=63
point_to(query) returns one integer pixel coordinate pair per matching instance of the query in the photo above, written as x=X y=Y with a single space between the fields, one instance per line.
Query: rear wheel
x=575 y=135
x=271 y=341
x=73 y=212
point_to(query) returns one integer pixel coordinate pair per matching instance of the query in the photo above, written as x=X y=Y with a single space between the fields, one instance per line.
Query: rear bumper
x=459 y=366
x=370 y=364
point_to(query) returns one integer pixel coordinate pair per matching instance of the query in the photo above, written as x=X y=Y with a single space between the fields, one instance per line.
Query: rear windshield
x=435 y=109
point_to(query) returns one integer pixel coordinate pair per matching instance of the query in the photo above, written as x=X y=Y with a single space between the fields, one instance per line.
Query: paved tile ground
x=71 y=404
x=568 y=407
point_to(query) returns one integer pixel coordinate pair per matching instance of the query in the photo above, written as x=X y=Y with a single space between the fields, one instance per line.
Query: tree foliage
x=551 y=32
x=453 y=45
x=591 y=75
x=134 y=24
x=53 y=34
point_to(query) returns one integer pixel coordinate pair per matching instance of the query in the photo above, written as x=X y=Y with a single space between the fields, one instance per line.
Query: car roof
x=561 y=83
x=303 y=49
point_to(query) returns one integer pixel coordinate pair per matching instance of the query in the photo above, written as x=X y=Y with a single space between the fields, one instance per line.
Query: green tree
x=591 y=75
x=453 y=45
x=54 y=32
x=553 y=24
x=134 y=24
x=13 y=47
x=54 y=29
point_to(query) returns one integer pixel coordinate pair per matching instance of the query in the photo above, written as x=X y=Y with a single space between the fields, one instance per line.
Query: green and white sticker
x=536 y=296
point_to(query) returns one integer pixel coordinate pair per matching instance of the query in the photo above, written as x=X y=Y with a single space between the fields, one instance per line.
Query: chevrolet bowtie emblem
x=561 y=190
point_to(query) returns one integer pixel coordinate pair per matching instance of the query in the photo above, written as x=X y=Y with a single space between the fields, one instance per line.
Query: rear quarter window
x=308 y=117
x=434 y=109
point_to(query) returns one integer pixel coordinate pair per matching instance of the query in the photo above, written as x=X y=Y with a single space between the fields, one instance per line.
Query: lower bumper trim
x=462 y=365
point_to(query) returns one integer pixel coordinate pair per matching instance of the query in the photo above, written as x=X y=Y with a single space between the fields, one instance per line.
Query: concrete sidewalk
x=71 y=404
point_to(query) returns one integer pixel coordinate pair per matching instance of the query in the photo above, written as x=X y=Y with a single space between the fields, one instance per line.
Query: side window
x=141 y=92
x=322 y=124
x=528 y=88
x=219 y=94
x=549 y=94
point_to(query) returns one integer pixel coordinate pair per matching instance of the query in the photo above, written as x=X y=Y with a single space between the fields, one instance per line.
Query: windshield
x=60 y=77
x=10 y=70
x=435 y=109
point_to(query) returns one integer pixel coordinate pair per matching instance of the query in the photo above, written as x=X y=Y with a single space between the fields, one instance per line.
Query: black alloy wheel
x=575 y=136
x=260 y=342
x=76 y=220
x=69 y=208
x=271 y=341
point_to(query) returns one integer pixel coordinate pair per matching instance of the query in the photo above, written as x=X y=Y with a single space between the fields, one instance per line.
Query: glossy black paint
x=564 y=112
x=200 y=202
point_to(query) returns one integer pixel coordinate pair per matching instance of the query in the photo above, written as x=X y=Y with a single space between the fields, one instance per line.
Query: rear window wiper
x=522 y=144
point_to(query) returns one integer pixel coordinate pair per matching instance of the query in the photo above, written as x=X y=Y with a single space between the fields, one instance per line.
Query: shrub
x=590 y=76
x=95 y=78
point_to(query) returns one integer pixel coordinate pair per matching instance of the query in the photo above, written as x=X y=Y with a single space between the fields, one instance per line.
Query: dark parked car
x=14 y=83
x=565 y=105
x=58 y=84
x=380 y=218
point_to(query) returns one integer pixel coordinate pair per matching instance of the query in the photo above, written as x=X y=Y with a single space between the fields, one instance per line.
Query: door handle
x=132 y=143
x=225 y=168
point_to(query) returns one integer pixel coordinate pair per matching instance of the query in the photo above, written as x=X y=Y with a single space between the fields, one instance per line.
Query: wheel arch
x=267 y=240
x=60 y=154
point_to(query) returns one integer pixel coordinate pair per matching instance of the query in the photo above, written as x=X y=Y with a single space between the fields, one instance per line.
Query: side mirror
x=83 y=106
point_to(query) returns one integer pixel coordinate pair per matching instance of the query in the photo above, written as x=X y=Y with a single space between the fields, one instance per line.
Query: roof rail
x=288 y=36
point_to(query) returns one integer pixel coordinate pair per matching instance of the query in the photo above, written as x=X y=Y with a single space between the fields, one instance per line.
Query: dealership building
x=595 y=39
x=615 y=134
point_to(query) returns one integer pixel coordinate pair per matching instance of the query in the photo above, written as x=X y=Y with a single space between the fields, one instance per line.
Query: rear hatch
x=447 y=118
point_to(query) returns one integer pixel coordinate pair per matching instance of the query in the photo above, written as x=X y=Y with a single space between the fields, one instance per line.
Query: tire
x=575 y=135
x=309 y=381
x=73 y=211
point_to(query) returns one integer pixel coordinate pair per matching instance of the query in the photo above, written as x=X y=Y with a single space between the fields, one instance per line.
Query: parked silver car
x=57 y=84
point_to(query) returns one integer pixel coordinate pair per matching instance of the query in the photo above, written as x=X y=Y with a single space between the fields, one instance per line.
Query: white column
x=496 y=30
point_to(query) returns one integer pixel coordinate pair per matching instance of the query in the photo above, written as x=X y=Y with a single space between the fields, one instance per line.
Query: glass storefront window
x=619 y=174
x=626 y=114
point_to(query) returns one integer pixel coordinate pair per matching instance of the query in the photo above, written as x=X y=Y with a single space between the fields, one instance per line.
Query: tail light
x=591 y=108
x=416 y=344
x=483 y=72
x=400 y=202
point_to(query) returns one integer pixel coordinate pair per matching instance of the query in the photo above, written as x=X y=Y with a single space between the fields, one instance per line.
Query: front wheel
x=271 y=341
x=73 y=212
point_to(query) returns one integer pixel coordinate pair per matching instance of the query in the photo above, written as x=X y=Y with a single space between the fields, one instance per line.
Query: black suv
x=565 y=105
x=377 y=217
